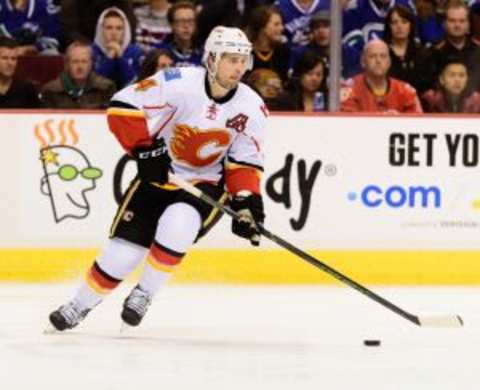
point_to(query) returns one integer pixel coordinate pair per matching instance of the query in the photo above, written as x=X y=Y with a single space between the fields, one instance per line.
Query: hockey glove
x=153 y=162
x=250 y=208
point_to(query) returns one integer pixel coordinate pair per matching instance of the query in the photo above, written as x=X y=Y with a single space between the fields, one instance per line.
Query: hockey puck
x=371 y=343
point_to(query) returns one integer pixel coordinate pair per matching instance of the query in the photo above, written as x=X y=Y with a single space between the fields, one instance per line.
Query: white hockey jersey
x=206 y=138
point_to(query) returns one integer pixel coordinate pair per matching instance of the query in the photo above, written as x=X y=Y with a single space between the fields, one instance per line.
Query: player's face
x=113 y=29
x=231 y=69
x=183 y=26
x=400 y=27
x=164 y=62
x=8 y=62
x=454 y=79
x=274 y=28
x=79 y=63
x=376 y=60
x=312 y=80
x=456 y=22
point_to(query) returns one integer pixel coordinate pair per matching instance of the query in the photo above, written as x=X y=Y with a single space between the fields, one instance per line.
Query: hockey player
x=202 y=125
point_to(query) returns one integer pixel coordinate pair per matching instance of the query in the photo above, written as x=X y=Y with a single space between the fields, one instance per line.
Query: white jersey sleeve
x=245 y=157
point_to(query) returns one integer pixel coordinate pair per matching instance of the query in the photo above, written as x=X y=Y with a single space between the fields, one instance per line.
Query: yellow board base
x=263 y=267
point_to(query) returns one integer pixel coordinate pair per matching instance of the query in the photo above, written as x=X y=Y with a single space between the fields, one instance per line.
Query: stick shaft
x=300 y=253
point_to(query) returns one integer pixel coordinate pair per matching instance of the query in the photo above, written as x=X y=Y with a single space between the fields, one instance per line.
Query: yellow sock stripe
x=94 y=286
x=173 y=187
x=215 y=211
x=159 y=266
x=124 y=205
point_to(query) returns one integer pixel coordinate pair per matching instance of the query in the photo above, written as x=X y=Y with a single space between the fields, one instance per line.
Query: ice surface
x=242 y=337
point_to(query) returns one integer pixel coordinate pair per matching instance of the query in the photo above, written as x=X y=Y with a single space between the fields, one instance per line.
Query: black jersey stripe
x=119 y=104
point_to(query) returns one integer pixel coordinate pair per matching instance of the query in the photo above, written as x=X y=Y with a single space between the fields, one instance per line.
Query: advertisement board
x=331 y=183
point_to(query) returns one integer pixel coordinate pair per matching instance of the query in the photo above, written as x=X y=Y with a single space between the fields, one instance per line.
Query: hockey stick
x=448 y=321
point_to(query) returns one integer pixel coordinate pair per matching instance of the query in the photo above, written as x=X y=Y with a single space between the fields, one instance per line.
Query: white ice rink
x=223 y=337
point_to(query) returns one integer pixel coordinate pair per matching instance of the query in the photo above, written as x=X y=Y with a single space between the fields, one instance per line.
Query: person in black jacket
x=14 y=93
x=265 y=30
x=456 y=44
x=407 y=55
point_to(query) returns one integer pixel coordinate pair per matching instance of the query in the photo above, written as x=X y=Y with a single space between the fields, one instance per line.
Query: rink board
x=263 y=267
x=390 y=200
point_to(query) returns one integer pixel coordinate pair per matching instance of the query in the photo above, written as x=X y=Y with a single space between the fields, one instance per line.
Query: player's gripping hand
x=250 y=208
x=153 y=162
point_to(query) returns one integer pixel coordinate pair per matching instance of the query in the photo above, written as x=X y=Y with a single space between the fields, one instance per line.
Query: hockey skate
x=67 y=316
x=135 y=306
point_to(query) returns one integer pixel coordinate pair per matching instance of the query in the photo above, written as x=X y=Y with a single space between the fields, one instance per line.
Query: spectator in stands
x=475 y=22
x=307 y=89
x=320 y=38
x=14 y=93
x=296 y=16
x=78 y=86
x=456 y=44
x=32 y=23
x=211 y=13
x=363 y=21
x=155 y=60
x=267 y=83
x=182 y=41
x=152 y=23
x=407 y=55
x=265 y=32
x=452 y=95
x=431 y=15
x=373 y=90
x=113 y=56
x=79 y=17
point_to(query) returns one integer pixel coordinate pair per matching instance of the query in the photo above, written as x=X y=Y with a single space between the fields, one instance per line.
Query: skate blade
x=125 y=328
x=50 y=329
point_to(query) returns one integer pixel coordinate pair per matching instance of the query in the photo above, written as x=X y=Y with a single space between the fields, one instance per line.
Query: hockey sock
x=176 y=231
x=97 y=285
x=117 y=260
x=160 y=264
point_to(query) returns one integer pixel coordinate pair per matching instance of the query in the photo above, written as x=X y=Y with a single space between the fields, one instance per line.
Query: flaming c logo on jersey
x=191 y=145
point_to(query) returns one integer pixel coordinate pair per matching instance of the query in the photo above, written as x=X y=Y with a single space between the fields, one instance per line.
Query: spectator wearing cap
x=14 y=93
x=78 y=86
x=319 y=39
x=452 y=95
x=407 y=54
x=182 y=42
x=265 y=32
x=373 y=90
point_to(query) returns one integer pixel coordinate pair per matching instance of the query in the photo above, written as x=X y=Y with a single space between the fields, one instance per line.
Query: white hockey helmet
x=226 y=40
